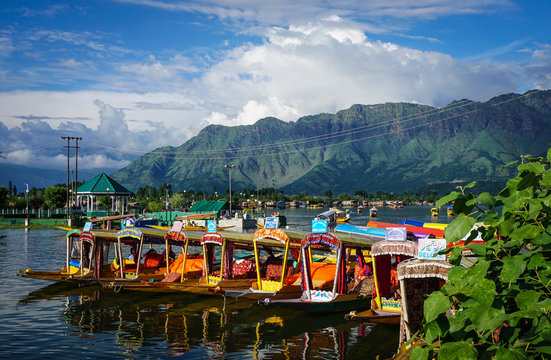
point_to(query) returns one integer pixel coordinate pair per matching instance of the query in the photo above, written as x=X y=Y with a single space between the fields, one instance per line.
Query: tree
x=3 y=195
x=500 y=307
x=155 y=206
x=177 y=201
x=55 y=196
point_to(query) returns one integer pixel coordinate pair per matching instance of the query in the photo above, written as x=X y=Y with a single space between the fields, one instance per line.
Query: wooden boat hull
x=374 y=317
x=341 y=303
x=46 y=275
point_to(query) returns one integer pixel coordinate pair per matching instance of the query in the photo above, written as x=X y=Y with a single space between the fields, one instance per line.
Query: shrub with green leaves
x=498 y=308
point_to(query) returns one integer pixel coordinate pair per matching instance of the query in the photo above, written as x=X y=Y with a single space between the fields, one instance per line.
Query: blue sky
x=133 y=75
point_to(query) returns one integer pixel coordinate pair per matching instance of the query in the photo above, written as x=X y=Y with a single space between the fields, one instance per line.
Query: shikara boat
x=386 y=304
x=418 y=278
x=372 y=233
x=217 y=276
x=373 y=212
x=416 y=230
x=342 y=216
x=325 y=285
x=74 y=261
x=273 y=274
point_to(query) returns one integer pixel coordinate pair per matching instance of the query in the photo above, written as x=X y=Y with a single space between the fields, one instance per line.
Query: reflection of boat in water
x=373 y=212
x=324 y=285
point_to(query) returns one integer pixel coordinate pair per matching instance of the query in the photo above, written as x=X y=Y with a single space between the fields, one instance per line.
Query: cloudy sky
x=132 y=75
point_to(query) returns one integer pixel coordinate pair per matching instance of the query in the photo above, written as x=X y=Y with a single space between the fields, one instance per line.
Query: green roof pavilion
x=104 y=185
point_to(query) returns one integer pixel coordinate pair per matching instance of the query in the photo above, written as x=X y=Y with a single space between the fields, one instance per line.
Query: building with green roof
x=104 y=185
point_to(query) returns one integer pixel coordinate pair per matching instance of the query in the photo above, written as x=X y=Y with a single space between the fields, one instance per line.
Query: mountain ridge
x=390 y=147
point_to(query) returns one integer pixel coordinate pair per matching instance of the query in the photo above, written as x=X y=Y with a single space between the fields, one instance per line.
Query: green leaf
x=527 y=298
x=455 y=256
x=460 y=350
x=536 y=261
x=436 y=304
x=511 y=354
x=448 y=198
x=456 y=275
x=513 y=267
x=470 y=185
x=509 y=164
x=420 y=353
x=487 y=200
x=543 y=349
x=458 y=228
x=477 y=273
x=482 y=290
x=477 y=249
x=484 y=318
x=432 y=331
x=527 y=231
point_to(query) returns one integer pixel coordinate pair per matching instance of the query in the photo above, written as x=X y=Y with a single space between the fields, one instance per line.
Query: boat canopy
x=417 y=268
x=408 y=248
x=87 y=236
x=74 y=232
x=321 y=238
x=327 y=214
x=212 y=238
x=130 y=233
x=175 y=233
x=274 y=234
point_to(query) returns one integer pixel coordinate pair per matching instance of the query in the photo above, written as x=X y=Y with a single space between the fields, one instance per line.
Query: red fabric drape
x=382 y=265
x=366 y=269
x=210 y=257
x=305 y=269
x=341 y=276
x=228 y=261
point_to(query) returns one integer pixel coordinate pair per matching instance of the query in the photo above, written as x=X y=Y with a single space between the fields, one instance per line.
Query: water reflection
x=145 y=325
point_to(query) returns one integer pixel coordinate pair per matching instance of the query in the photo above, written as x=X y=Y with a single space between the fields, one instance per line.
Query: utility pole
x=68 y=146
x=229 y=167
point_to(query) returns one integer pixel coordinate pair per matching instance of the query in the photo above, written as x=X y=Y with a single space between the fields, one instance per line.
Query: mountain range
x=392 y=147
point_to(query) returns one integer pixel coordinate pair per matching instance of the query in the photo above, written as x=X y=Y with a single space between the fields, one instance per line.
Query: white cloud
x=286 y=12
x=327 y=66
x=320 y=66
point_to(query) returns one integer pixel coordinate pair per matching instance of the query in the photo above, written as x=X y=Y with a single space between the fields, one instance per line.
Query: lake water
x=46 y=320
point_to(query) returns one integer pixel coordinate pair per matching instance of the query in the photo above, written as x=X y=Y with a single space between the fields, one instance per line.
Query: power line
x=231 y=153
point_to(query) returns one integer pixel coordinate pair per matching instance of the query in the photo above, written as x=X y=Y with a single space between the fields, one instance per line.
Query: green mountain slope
x=391 y=147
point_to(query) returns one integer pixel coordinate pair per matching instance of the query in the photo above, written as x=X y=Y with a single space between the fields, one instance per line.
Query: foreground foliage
x=499 y=307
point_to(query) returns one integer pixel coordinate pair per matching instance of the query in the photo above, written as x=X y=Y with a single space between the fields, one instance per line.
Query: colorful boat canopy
x=87 y=236
x=321 y=238
x=384 y=247
x=212 y=238
x=129 y=232
x=274 y=234
x=418 y=269
x=74 y=232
